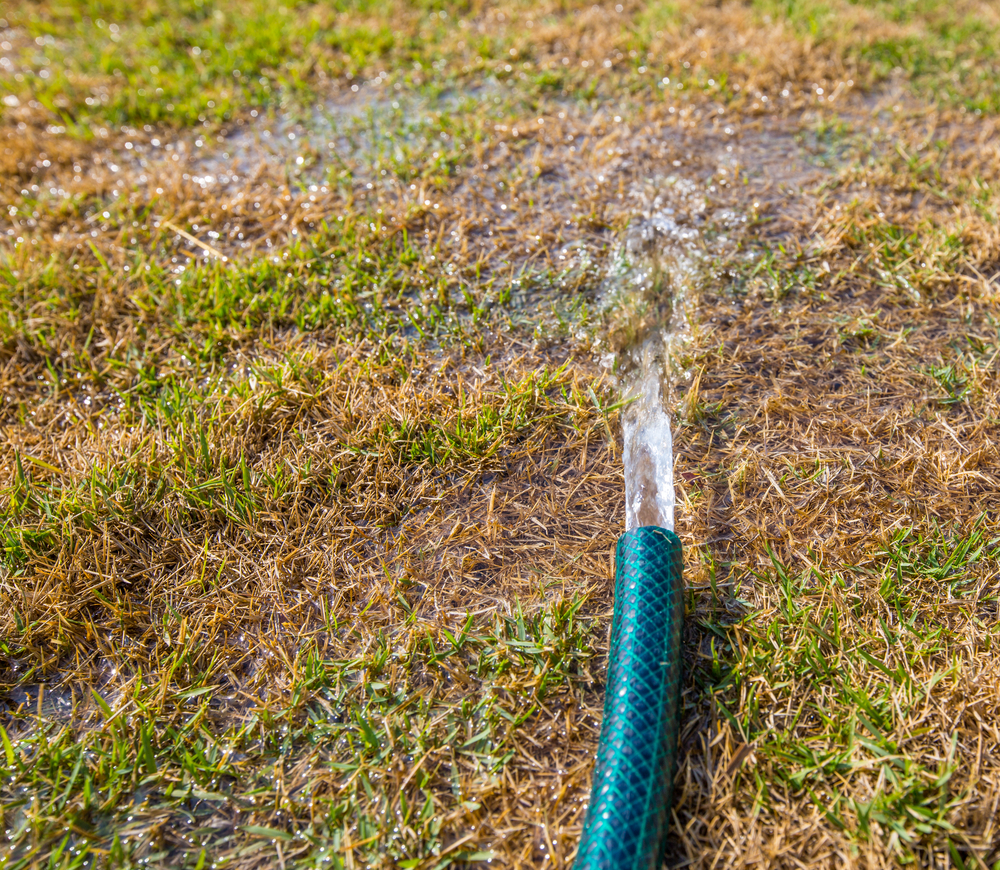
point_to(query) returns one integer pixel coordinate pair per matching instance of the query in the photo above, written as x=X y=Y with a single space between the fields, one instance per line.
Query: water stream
x=648 y=453
x=651 y=286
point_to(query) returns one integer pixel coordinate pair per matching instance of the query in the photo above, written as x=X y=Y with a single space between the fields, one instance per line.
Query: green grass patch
x=862 y=676
x=101 y=61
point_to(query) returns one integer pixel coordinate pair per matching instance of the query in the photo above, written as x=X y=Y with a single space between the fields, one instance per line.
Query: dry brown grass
x=822 y=466
x=390 y=550
x=840 y=447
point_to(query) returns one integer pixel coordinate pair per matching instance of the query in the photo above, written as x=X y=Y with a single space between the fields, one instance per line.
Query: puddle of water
x=354 y=132
x=535 y=198
x=55 y=703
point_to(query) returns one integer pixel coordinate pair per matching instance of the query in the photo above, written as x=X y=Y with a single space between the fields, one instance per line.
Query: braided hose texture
x=630 y=799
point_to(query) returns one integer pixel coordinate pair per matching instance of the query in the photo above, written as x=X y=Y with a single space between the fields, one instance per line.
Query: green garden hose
x=630 y=799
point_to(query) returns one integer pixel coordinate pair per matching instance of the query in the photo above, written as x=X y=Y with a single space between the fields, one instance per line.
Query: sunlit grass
x=309 y=466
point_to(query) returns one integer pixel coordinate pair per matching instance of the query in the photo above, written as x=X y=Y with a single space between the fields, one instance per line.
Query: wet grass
x=309 y=474
x=176 y=721
x=349 y=759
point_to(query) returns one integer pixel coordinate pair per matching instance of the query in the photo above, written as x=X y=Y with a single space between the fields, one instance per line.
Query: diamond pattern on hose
x=630 y=799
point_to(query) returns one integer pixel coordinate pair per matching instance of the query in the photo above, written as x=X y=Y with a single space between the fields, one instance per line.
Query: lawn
x=316 y=321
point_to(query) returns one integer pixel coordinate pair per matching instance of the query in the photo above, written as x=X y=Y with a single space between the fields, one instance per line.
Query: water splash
x=650 y=286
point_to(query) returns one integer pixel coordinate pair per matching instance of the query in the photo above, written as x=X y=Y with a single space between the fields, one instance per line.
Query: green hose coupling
x=629 y=809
